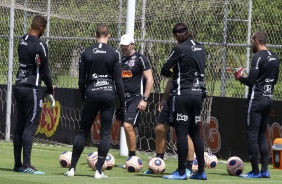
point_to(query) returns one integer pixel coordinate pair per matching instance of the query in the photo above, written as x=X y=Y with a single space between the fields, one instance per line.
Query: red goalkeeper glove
x=239 y=72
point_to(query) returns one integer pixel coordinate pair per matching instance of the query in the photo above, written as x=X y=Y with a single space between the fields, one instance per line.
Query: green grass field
x=45 y=158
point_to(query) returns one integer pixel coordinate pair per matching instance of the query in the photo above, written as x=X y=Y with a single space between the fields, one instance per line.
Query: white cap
x=126 y=39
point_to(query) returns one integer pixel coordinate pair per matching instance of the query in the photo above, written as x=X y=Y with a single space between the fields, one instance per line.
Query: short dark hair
x=38 y=21
x=260 y=37
x=182 y=30
x=102 y=30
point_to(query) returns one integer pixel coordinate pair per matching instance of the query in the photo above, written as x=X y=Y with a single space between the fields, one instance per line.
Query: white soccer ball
x=156 y=165
x=210 y=160
x=92 y=159
x=133 y=164
x=235 y=166
x=65 y=159
x=110 y=160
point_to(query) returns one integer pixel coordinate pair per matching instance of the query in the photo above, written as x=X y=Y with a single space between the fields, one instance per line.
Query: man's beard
x=254 y=48
x=40 y=34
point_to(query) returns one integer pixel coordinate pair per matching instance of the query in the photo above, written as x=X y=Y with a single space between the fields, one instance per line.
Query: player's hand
x=120 y=114
x=51 y=99
x=142 y=105
x=239 y=72
x=161 y=105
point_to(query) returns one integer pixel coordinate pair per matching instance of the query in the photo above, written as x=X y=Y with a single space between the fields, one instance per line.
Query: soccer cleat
x=17 y=169
x=121 y=166
x=251 y=175
x=30 y=170
x=199 y=176
x=265 y=174
x=188 y=173
x=175 y=176
x=70 y=172
x=100 y=176
x=148 y=172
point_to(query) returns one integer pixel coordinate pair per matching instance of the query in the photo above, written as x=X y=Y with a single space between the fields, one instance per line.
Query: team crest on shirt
x=131 y=63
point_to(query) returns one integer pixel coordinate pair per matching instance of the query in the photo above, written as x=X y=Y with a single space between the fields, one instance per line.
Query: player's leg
x=160 y=130
x=33 y=108
x=106 y=115
x=195 y=106
x=89 y=112
x=181 y=124
x=263 y=145
x=131 y=120
x=194 y=133
x=190 y=155
x=130 y=138
x=253 y=124
x=20 y=123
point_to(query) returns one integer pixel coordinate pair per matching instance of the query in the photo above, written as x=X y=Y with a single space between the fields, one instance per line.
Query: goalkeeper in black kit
x=100 y=82
x=33 y=67
x=261 y=79
x=186 y=66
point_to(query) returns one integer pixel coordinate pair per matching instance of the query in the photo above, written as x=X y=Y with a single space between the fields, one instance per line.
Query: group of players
x=119 y=87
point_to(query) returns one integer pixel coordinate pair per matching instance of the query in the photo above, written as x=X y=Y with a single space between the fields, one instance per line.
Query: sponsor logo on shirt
x=267 y=88
x=181 y=117
x=269 y=80
x=101 y=82
x=22 y=42
x=269 y=58
x=126 y=73
x=196 y=48
x=95 y=76
x=97 y=51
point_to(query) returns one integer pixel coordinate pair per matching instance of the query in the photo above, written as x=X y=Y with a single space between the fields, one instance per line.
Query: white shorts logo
x=181 y=117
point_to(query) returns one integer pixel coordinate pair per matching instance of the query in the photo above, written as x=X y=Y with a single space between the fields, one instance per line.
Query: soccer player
x=33 y=67
x=99 y=81
x=261 y=79
x=162 y=128
x=138 y=83
x=186 y=66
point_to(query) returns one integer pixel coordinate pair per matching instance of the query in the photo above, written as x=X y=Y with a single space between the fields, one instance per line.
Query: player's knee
x=127 y=127
x=160 y=129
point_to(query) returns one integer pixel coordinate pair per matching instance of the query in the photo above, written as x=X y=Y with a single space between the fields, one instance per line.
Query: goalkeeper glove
x=51 y=99
x=239 y=72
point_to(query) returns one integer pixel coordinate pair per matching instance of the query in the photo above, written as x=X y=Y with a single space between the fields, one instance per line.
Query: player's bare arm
x=149 y=85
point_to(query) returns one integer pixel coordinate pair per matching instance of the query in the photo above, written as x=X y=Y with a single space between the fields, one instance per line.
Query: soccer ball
x=92 y=159
x=156 y=165
x=210 y=160
x=65 y=159
x=133 y=164
x=195 y=165
x=235 y=166
x=110 y=160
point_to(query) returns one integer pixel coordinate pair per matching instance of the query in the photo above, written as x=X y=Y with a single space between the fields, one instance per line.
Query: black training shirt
x=263 y=74
x=187 y=61
x=100 y=71
x=33 y=63
x=132 y=73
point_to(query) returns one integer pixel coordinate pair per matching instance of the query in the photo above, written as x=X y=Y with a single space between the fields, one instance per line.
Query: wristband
x=145 y=98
